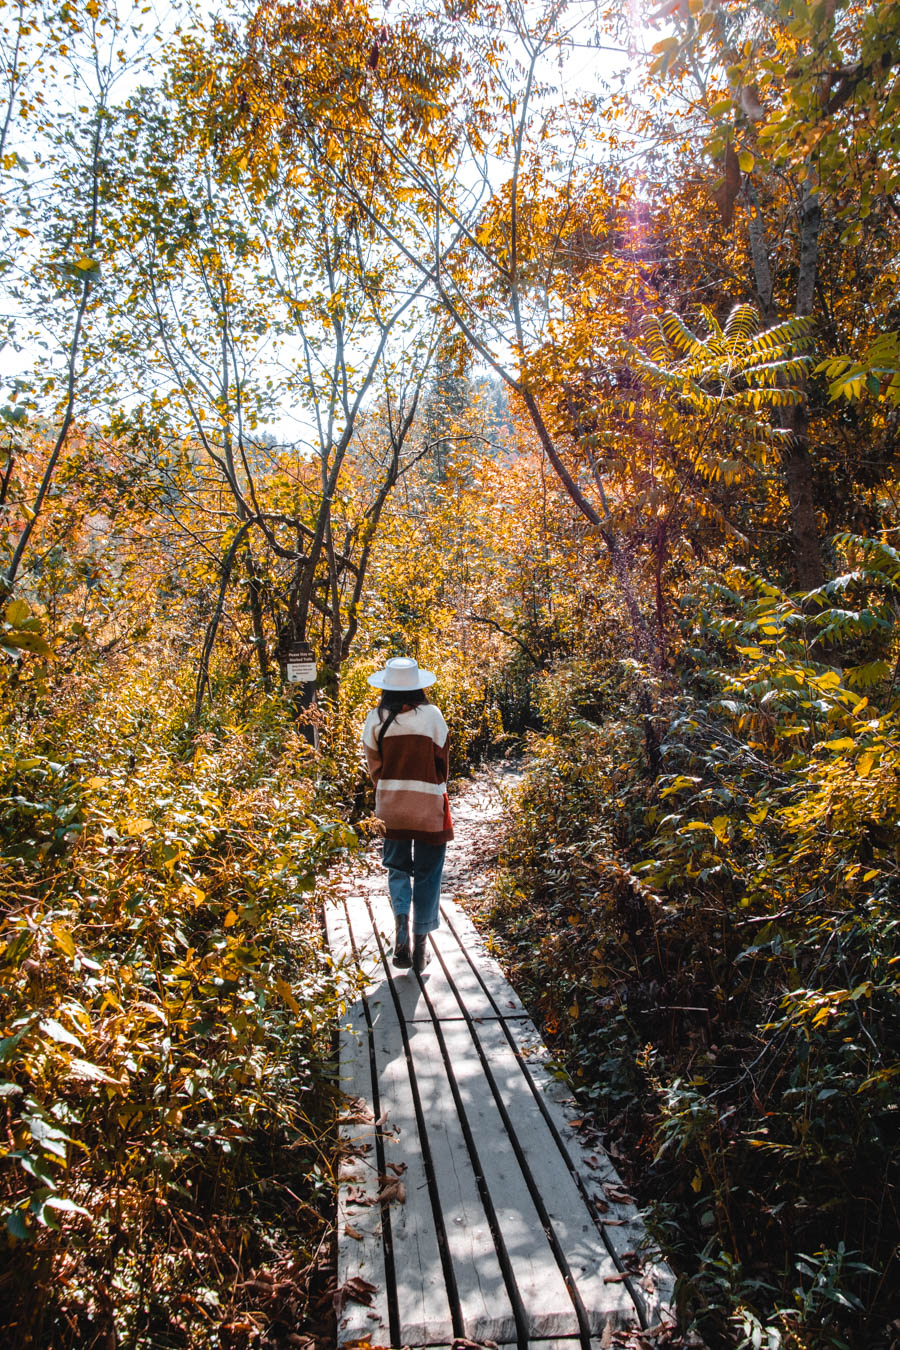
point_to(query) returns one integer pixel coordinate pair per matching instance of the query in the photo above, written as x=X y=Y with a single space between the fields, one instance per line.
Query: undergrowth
x=713 y=951
x=166 y=1008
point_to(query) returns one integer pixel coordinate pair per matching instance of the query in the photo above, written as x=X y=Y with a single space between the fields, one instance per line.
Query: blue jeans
x=414 y=878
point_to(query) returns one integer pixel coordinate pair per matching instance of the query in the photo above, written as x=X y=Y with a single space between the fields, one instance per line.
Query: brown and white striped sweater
x=410 y=775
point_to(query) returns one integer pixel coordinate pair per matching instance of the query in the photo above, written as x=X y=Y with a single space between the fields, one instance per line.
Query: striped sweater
x=410 y=775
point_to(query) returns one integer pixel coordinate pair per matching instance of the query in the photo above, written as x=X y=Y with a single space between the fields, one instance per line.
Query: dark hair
x=392 y=702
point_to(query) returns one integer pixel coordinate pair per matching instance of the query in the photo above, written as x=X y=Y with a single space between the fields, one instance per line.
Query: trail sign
x=300 y=664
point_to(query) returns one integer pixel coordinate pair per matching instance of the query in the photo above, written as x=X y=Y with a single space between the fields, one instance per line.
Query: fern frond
x=678 y=335
x=740 y=326
x=882 y=561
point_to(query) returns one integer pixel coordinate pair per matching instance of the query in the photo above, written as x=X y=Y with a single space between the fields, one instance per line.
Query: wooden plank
x=567 y=1343
x=421 y=1291
x=483 y=1299
x=464 y=984
x=470 y=940
x=606 y=1299
x=359 y=1257
x=623 y=1228
x=422 y=1301
x=354 y=929
x=548 y=1307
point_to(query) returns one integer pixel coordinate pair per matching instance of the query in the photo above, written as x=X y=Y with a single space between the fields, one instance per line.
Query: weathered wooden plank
x=548 y=1307
x=606 y=1300
x=464 y=985
x=483 y=1300
x=355 y=930
x=567 y=1343
x=470 y=940
x=420 y=1277
x=360 y=1247
x=624 y=1230
x=422 y=1301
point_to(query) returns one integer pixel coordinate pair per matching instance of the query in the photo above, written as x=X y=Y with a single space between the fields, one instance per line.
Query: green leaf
x=17 y=1226
x=47 y=1136
x=66 y=1206
x=17 y=948
x=9 y=1044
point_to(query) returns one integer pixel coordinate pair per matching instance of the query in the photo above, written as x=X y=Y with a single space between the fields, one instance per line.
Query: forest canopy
x=558 y=346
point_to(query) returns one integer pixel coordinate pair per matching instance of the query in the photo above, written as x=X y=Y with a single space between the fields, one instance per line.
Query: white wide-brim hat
x=402 y=672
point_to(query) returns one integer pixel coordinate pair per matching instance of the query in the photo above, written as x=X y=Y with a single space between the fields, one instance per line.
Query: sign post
x=300 y=671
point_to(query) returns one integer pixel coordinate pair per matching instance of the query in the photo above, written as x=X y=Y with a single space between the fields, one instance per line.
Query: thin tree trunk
x=212 y=627
x=642 y=643
x=254 y=587
x=809 y=570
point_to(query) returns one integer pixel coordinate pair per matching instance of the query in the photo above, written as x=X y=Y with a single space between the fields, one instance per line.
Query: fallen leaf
x=399 y=1168
x=354 y=1233
x=356 y=1197
x=356 y=1290
x=618 y=1196
x=392 y=1190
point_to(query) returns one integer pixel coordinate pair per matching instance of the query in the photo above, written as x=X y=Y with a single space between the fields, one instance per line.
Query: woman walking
x=406 y=743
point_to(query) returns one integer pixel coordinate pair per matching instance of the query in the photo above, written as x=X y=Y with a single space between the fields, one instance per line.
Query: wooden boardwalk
x=468 y=1205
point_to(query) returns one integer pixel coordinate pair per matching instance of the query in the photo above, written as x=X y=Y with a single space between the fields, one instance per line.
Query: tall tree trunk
x=807 y=551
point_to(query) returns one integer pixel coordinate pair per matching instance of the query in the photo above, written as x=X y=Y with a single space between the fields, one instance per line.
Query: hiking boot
x=421 y=954
x=402 y=958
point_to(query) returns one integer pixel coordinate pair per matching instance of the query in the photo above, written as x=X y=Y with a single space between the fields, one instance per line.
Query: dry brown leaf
x=392 y=1190
x=353 y=1232
x=357 y=1113
x=399 y=1168
x=618 y=1196
x=356 y=1290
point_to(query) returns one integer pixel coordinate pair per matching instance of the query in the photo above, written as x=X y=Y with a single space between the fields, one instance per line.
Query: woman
x=406 y=743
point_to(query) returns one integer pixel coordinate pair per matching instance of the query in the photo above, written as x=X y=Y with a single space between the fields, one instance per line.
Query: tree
x=256 y=305
x=57 y=214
